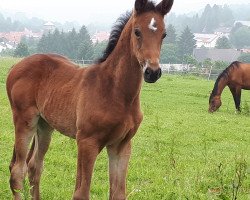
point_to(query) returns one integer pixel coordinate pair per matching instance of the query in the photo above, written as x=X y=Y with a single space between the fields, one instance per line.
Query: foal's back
x=240 y=75
x=46 y=84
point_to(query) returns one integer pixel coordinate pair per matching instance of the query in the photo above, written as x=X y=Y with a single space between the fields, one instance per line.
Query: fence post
x=210 y=72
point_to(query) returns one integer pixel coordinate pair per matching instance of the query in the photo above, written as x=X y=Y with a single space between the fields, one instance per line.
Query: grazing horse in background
x=236 y=76
x=99 y=106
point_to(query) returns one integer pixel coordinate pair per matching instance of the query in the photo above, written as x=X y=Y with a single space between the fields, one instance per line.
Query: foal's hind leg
x=41 y=143
x=25 y=127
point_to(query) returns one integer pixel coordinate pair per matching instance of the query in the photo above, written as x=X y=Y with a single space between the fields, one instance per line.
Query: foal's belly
x=64 y=126
x=60 y=114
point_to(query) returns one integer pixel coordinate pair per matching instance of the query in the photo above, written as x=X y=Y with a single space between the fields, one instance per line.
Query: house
x=4 y=45
x=206 y=40
x=223 y=31
x=14 y=38
x=100 y=36
x=209 y=40
x=49 y=27
x=245 y=50
x=227 y=55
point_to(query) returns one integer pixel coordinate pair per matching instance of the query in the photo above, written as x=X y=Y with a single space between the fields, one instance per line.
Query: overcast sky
x=85 y=11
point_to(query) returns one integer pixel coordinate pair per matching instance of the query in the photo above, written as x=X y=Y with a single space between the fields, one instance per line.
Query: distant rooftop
x=223 y=30
x=228 y=55
x=245 y=23
x=49 y=24
x=205 y=37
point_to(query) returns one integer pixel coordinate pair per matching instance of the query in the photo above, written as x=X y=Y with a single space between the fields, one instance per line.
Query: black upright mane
x=117 y=30
x=224 y=74
x=115 y=35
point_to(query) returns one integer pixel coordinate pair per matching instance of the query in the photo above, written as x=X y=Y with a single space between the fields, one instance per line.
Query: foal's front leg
x=88 y=149
x=119 y=155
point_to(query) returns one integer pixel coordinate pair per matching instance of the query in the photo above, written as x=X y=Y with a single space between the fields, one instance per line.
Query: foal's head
x=147 y=35
x=214 y=102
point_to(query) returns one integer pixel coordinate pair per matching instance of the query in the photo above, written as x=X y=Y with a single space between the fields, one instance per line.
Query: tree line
x=78 y=45
x=74 y=45
x=209 y=20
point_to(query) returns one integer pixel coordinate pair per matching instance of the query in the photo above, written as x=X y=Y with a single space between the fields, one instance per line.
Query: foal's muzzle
x=151 y=76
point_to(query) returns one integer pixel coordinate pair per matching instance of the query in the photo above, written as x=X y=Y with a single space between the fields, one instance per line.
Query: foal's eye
x=164 y=35
x=137 y=32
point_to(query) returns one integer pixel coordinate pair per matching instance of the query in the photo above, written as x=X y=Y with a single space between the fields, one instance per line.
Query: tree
x=44 y=44
x=205 y=17
x=191 y=60
x=56 y=42
x=213 y=17
x=99 y=47
x=21 y=50
x=72 y=44
x=186 y=43
x=241 y=37
x=220 y=65
x=245 y=57
x=227 y=17
x=85 y=48
x=223 y=43
x=169 y=54
x=207 y=62
x=171 y=35
x=31 y=42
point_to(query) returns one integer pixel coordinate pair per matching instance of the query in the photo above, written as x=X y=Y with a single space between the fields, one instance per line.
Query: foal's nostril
x=148 y=71
x=159 y=73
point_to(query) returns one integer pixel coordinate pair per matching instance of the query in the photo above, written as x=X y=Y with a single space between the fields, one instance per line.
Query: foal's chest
x=111 y=126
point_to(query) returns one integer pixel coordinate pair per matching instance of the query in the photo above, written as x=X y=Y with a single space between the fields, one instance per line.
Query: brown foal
x=237 y=77
x=99 y=105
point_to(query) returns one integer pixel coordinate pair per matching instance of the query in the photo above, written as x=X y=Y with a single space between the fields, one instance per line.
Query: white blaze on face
x=145 y=66
x=152 y=25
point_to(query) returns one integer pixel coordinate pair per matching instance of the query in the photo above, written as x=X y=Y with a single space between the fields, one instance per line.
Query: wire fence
x=208 y=73
x=83 y=62
x=182 y=69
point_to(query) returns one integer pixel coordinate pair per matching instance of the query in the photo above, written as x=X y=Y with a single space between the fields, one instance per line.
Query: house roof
x=205 y=38
x=228 y=55
x=49 y=24
x=12 y=36
x=15 y=37
x=223 y=30
x=245 y=23
x=100 y=36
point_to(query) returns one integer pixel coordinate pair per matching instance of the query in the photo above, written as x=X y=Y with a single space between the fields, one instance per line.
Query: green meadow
x=180 y=151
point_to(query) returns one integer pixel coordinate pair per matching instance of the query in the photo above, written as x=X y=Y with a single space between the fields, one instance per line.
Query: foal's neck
x=222 y=83
x=125 y=69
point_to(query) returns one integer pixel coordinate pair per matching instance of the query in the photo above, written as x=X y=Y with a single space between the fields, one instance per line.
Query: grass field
x=180 y=151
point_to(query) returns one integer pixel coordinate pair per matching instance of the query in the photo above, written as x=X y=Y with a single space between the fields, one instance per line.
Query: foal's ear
x=140 y=5
x=165 y=6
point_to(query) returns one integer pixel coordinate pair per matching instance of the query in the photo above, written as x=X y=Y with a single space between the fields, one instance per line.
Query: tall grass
x=180 y=151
